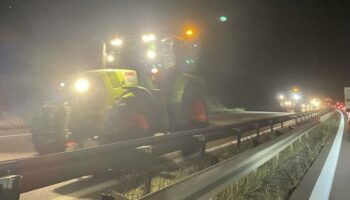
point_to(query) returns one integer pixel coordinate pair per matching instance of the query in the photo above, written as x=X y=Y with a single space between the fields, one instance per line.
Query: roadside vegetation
x=276 y=179
x=8 y=122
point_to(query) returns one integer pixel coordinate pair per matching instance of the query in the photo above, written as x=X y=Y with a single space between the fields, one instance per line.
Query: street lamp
x=280 y=96
x=116 y=42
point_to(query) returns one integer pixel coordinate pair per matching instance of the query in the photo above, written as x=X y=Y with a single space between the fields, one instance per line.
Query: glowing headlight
x=117 y=42
x=151 y=54
x=81 y=85
x=296 y=97
x=315 y=102
x=110 y=58
x=148 y=37
x=280 y=96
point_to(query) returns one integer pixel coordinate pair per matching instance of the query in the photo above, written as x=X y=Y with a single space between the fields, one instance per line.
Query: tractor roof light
x=151 y=54
x=148 y=37
x=155 y=70
x=116 y=42
x=110 y=58
x=189 y=32
x=82 y=85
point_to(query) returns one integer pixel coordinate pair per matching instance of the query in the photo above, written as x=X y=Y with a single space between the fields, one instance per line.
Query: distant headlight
x=82 y=85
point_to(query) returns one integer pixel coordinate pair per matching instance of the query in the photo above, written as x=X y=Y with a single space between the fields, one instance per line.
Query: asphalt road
x=17 y=144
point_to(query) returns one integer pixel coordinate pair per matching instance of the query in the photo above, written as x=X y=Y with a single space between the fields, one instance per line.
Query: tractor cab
x=156 y=58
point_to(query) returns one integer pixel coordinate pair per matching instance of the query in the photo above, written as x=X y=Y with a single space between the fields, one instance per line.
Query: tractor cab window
x=142 y=56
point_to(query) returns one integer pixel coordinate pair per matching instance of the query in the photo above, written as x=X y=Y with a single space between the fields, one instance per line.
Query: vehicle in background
x=347 y=98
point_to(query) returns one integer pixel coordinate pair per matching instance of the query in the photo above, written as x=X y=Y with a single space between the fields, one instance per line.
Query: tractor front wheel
x=130 y=119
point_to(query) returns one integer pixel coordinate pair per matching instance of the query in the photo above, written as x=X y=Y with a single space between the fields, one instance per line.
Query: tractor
x=145 y=86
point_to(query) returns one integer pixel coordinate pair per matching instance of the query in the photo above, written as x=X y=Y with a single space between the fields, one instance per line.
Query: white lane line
x=6 y=136
x=247 y=118
x=324 y=182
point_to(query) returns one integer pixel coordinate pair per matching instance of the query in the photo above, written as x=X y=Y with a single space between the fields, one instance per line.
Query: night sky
x=264 y=48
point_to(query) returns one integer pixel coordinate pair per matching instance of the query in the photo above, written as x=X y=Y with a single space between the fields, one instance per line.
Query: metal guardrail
x=209 y=182
x=50 y=169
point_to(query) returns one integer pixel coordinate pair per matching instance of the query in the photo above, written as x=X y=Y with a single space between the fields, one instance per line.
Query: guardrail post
x=202 y=143
x=271 y=126
x=148 y=151
x=257 y=126
x=10 y=187
x=257 y=141
x=296 y=121
x=239 y=136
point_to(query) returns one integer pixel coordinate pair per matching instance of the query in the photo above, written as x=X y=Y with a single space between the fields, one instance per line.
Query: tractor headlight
x=82 y=85
x=151 y=54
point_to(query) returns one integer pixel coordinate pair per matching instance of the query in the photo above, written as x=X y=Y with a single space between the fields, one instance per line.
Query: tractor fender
x=139 y=93
x=176 y=92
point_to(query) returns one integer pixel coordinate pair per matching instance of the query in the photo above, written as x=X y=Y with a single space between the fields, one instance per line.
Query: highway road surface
x=16 y=144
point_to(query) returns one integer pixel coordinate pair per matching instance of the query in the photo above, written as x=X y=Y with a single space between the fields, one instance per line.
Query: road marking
x=79 y=194
x=247 y=118
x=6 y=136
x=324 y=182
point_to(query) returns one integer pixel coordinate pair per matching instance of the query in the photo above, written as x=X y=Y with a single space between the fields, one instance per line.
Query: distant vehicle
x=145 y=88
x=347 y=98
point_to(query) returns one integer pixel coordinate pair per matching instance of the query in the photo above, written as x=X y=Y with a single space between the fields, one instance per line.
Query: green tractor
x=145 y=87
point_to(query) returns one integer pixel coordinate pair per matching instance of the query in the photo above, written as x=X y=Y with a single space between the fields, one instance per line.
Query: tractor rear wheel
x=194 y=108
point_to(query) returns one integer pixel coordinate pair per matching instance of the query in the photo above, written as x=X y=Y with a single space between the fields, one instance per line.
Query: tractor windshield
x=141 y=55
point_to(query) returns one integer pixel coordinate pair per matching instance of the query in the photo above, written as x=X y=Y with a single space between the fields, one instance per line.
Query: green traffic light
x=223 y=18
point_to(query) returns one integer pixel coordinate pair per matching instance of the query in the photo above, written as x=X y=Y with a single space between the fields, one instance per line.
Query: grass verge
x=276 y=179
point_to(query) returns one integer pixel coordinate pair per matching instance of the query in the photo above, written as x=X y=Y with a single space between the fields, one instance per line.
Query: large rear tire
x=192 y=112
